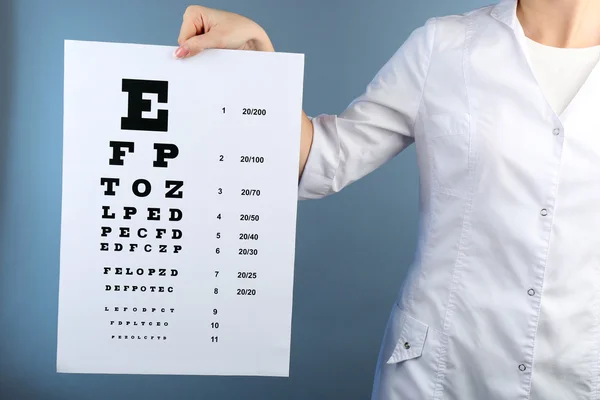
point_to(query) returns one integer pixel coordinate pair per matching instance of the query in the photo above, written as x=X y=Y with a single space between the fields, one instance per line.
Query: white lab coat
x=503 y=298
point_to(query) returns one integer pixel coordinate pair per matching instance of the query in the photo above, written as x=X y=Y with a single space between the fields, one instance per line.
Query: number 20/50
x=249 y=217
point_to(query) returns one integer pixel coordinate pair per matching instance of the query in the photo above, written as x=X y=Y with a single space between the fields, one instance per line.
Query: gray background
x=353 y=248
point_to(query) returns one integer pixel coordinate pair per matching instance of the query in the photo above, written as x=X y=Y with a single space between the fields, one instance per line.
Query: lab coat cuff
x=323 y=159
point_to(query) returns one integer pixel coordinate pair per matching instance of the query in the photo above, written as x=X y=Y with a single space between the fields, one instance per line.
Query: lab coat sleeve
x=375 y=127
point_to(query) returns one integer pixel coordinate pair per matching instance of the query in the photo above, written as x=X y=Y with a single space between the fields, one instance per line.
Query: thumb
x=196 y=44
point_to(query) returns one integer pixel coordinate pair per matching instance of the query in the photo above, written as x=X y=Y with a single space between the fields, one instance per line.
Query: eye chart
x=179 y=205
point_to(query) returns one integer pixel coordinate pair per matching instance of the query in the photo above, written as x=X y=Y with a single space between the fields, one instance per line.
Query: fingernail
x=181 y=52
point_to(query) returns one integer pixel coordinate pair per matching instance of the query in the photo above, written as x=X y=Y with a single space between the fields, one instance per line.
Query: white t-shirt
x=561 y=71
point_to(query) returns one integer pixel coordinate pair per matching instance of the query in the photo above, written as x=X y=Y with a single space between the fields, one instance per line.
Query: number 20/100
x=252 y=159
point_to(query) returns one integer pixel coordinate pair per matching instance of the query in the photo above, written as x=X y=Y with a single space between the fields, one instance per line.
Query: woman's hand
x=205 y=28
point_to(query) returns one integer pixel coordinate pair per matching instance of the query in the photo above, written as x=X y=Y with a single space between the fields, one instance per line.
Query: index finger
x=191 y=26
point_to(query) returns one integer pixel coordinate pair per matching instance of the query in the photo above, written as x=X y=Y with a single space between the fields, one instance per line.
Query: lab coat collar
x=506 y=12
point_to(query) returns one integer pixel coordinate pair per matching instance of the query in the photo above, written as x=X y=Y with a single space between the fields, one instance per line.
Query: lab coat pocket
x=409 y=361
x=448 y=143
x=407 y=337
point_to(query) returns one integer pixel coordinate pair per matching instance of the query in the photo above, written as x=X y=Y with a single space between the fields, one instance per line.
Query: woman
x=502 y=104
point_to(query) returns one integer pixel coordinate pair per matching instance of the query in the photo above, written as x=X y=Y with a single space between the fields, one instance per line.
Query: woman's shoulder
x=447 y=31
x=456 y=24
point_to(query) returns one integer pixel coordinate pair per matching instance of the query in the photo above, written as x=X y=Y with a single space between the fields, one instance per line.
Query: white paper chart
x=180 y=182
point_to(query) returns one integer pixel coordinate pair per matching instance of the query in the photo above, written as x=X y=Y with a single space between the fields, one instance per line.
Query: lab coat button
x=407 y=345
x=531 y=292
x=556 y=131
x=544 y=212
x=522 y=367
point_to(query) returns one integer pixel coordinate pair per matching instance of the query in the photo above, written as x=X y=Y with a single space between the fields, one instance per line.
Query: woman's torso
x=503 y=299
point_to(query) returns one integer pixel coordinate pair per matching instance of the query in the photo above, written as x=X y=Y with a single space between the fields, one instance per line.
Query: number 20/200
x=254 y=111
